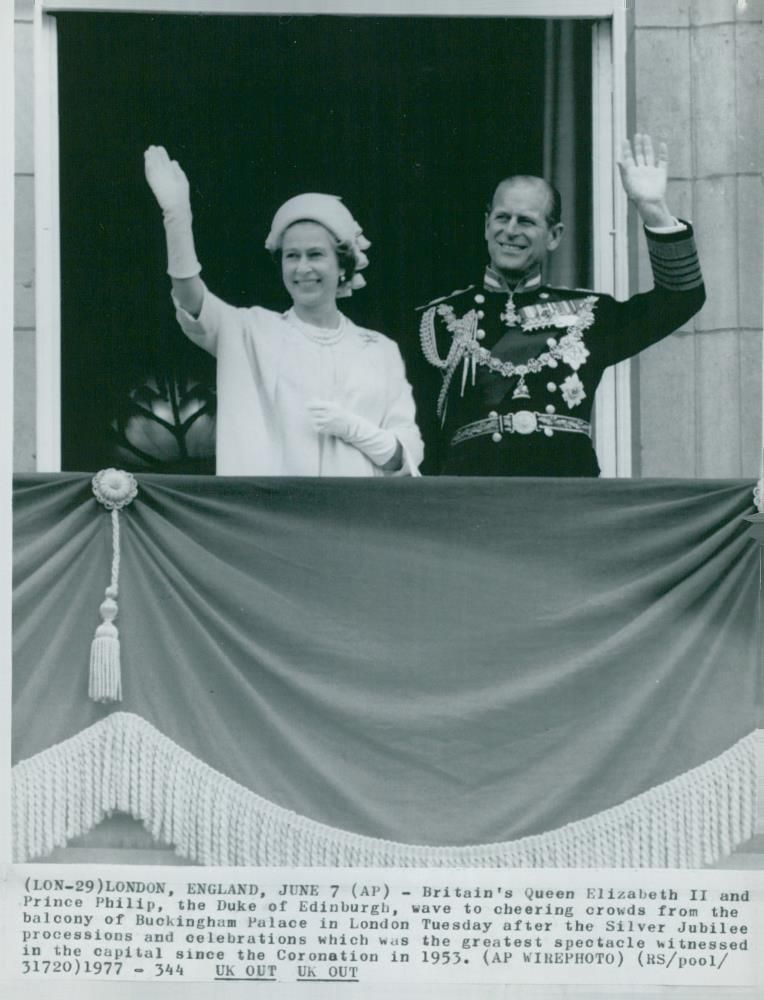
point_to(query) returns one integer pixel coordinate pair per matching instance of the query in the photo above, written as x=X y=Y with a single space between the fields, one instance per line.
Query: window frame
x=613 y=418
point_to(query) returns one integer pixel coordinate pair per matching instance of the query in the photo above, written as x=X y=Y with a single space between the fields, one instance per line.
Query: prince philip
x=520 y=360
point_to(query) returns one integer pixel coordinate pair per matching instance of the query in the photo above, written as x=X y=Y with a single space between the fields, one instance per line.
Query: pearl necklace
x=318 y=334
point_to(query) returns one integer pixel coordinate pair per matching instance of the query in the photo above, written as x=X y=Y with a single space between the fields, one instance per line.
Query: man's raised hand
x=644 y=175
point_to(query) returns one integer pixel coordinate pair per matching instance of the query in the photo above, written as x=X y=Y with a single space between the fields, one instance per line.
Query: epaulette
x=445 y=298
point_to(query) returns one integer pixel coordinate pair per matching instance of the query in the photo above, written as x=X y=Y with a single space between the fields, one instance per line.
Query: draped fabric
x=123 y=764
x=436 y=662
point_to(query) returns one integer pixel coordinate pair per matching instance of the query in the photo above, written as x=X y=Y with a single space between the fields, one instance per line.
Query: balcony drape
x=435 y=662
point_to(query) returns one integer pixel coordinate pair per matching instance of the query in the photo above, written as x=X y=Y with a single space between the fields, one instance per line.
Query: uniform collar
x=495 y=282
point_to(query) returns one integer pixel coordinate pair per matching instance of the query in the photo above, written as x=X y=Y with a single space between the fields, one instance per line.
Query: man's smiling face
x=517 y=229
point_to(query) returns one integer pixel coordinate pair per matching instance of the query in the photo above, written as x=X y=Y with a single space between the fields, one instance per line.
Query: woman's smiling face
x=309 y=265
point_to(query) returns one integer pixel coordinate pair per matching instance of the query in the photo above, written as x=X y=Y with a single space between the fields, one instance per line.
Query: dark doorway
x=410 y=120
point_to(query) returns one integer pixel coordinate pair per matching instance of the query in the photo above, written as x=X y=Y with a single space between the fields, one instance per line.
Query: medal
x=521 y=389
x=510 y=316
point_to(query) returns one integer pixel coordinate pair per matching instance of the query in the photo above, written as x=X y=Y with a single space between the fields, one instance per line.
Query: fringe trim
x=124 y=764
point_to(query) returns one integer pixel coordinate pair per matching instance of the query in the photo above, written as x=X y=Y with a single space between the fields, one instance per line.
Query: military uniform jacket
x=519 y=371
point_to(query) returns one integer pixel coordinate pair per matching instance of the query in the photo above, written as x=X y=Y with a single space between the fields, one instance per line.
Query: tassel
x=105 y=673
x=114 y=489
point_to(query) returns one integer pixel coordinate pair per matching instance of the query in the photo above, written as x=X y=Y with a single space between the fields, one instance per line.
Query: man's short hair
x=554 y=198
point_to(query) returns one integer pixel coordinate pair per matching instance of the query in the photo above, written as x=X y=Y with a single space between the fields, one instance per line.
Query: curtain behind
x=568 y=145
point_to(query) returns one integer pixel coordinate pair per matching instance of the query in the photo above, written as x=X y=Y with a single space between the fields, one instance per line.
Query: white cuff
x=182 y=261
x=677 y=227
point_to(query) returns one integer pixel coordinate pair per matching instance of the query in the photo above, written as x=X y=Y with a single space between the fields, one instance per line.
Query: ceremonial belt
x=521 y=422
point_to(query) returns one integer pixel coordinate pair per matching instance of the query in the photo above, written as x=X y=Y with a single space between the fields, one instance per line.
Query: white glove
x=376 y=443
x=171 y=190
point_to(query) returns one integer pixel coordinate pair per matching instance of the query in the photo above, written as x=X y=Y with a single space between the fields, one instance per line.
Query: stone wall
x=698 y=85
x=23 y=305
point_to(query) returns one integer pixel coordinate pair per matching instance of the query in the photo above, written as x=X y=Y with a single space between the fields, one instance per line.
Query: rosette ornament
x=114 y=489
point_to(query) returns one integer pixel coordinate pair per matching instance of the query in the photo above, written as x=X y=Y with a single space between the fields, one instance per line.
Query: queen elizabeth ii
x=305 y=392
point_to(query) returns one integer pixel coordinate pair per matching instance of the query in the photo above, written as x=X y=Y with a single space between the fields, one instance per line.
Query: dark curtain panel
x=567 y=146
x=410 y=120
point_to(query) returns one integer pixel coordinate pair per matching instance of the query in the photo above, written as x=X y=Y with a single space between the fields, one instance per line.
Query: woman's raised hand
x=170 y=187
x=167 y=180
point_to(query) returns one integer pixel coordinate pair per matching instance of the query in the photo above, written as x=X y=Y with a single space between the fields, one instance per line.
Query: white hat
x=331 y=213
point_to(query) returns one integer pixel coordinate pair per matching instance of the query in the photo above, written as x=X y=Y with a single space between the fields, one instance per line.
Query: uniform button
x=480 y=314
x=548 y=431
x=551 y=342
x=480 y=334
x=552 y=363
x=550 y=409
x=543 y=295
x=479 y=298
x=551 y=387
x=493 y=415
x=496 y=437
